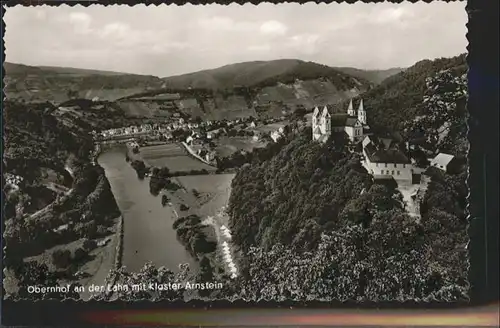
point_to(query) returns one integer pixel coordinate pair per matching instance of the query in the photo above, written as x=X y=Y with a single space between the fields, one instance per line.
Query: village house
x=384 y=162
x=208 y=155
x=216 y=133
x=352 y=123
x=445 y=162
x=168 y=136
x=275 y=135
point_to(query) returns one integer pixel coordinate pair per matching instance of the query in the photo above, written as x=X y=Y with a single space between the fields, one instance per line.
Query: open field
x=172 y=156
x=226 y=146
x=212 y=193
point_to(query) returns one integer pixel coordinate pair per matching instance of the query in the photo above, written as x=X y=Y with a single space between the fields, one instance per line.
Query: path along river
x=148 y=232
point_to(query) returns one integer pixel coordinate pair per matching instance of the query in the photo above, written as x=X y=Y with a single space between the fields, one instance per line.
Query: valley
x=180 y=159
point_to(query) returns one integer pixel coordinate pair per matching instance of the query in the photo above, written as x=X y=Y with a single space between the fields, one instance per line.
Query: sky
x=172 y=40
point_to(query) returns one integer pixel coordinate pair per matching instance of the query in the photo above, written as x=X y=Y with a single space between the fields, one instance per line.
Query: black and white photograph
x=270 y=152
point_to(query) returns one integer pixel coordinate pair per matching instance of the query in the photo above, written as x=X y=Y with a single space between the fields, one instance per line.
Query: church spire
x=361 y=112
x=350 y=109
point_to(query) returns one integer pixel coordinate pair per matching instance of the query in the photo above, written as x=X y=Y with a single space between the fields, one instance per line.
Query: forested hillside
x=54 y=196
x=374 y=76
x=399 y=98
x=313 y=224
x=262 y=74
x=441 y=121
x=294 y=196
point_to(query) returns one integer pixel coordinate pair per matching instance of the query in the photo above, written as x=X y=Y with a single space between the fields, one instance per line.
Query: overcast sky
x=171 y=40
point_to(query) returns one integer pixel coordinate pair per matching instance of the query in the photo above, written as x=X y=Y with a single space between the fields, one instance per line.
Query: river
x=148 y=232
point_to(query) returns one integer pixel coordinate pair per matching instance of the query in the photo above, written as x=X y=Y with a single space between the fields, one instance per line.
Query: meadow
x=172 y=156
x=226 y=146
x=212 y=193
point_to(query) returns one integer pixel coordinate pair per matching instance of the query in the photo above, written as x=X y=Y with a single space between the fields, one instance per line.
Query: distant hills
x=374 y=76
x=235 y=90
x=59 y=84
x=260 y=73
x=21 y=69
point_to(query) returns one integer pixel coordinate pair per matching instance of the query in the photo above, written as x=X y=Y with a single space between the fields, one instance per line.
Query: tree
x=206 y=270
x=89 y=245
x=80 y=255
x=150 y=277
x=61 y=258
x=36 y=274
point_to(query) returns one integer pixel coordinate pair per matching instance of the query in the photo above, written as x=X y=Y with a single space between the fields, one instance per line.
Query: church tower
x=326 y=122
x=315 y=117
x=361 y=113
x=316 y=124
x=350 y=109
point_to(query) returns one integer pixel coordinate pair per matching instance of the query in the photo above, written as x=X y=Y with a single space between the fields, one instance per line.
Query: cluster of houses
x=196 y=136
x=125 y=131
x=164 y=129
x=383 y=157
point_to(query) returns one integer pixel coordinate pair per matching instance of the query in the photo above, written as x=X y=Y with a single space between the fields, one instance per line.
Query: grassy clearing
x=172 y=156
x=212 y=193
x=226 y=146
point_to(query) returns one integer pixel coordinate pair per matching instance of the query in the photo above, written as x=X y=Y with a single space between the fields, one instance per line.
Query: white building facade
x=386 y=163
x=353 y=123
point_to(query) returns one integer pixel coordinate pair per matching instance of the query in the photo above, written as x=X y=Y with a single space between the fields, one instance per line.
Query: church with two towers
x=352 y=123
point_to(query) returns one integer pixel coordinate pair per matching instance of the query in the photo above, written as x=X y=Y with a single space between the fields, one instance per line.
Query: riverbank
x=203 y=196
x=148 y=235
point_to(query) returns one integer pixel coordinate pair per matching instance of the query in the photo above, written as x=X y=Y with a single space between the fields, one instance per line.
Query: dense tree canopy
x=312 y=224
x=398 y=99
x=298 y=192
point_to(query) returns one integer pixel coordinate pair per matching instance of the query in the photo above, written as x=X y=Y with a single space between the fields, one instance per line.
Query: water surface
x=148 y=232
